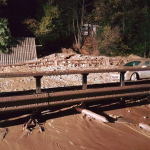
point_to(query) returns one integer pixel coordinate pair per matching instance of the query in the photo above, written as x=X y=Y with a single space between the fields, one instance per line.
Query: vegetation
x=4 y=32
x=133 y=19
x=123 y=25
x=4 y=35
x=43 y=25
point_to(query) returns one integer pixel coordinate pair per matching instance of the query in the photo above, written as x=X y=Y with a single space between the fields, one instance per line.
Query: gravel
x=28 y=83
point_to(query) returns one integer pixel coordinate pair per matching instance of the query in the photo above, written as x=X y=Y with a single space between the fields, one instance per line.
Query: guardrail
x=43 y=100
x=83 y=72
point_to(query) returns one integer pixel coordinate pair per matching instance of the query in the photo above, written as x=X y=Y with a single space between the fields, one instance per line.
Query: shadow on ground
x=17 y=118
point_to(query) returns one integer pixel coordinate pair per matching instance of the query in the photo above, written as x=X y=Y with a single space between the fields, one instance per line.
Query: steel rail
x=71 y=101
x=64 y=94
x=68 y=72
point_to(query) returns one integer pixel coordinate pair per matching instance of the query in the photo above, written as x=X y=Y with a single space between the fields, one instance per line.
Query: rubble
x=28 y=83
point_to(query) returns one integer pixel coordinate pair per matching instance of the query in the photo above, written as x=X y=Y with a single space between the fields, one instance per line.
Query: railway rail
x=44 y=100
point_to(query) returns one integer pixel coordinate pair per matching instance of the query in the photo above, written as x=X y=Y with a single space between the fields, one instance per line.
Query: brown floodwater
x=73 y=132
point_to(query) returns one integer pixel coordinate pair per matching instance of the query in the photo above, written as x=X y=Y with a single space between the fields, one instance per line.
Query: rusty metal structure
x=45 y=100
x=22 y=49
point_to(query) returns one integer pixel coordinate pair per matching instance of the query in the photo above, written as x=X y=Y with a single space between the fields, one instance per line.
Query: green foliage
x=144 y=31
x=124 y=25
x=4 y=35
x=3 y=2
x=108 y=40
x=133 y=19
x=44 y=25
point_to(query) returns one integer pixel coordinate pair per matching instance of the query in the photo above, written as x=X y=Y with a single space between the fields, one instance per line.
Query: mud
x=69 y=130
x=73 y=131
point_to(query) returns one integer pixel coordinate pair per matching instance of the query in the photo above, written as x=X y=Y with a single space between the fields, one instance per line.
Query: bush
x=4 y=35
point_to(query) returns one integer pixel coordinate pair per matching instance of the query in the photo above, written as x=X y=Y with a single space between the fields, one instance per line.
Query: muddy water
x=73 y=132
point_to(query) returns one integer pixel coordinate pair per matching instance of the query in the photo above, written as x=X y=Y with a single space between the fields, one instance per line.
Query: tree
x=4 y=35
x=108 y=40
x=3 y=2
x=73 y=16
x=4 y=32
x=143 y=39
x=133 y=19
x=43 y=24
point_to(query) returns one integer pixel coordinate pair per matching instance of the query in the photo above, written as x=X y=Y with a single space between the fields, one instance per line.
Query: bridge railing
x=83 y=72
x=44 y=100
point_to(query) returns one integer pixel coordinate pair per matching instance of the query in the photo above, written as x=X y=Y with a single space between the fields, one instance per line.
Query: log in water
x=92 y=114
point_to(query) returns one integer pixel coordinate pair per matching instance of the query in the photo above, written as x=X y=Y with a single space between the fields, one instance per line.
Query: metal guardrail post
x=38 y=84
x=122 y=83
x=84 y=81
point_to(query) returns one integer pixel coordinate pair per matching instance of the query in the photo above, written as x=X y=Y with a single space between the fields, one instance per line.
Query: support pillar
x=84 y=81
x=122 y=83
x=38 y=84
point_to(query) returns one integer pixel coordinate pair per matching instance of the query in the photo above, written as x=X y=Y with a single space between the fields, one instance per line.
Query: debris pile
x=60 y=61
